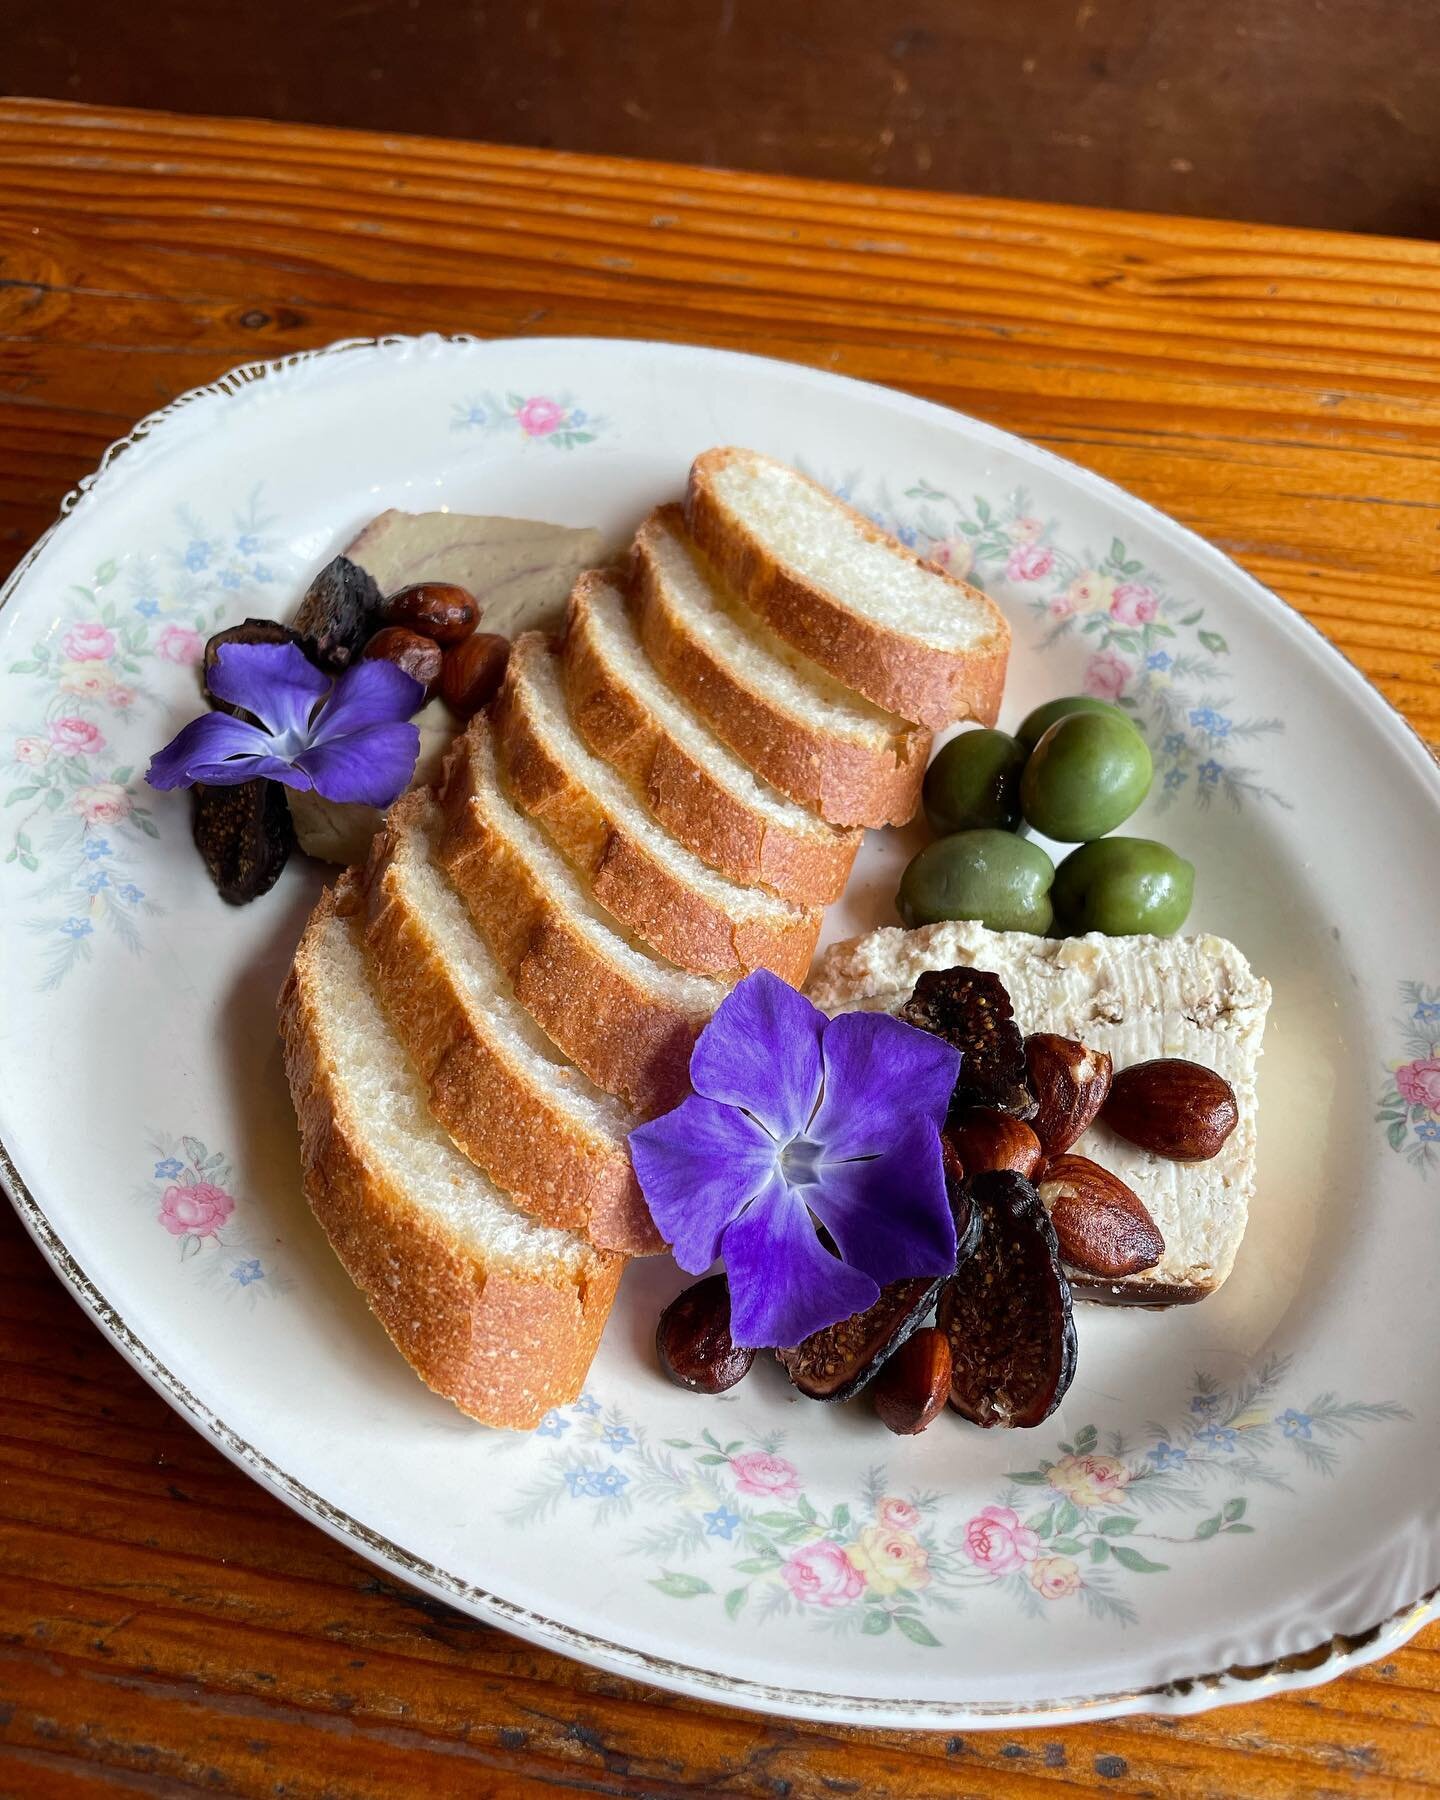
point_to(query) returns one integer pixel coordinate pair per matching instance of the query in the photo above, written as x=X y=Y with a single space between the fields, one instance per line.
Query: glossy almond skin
x=1103 y=1225
x=1070 y=1084
x=1173 y=1108
x=983 y=1137
x=915 y=1384
x=439 y=610
x=416 y=655
x=472 y=672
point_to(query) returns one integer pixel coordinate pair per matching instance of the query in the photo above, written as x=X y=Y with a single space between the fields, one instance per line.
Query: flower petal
x=784 y=1283
x=697 y=1167
x=761 y=1050
x=276 y=682
x=372 y=765
x=890 y=1214
x=213 y=748
x=370 y=692
x=880 y=1075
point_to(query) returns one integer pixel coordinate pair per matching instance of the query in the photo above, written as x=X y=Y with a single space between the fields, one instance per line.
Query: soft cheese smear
x=1135 y=998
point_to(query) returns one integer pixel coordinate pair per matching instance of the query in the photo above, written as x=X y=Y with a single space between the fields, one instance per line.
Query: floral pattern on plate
x=896 y=1558
x=191 y=1196
x=1150 y=648
x=1410 y=1102
x=557 y=421
x=75 y=802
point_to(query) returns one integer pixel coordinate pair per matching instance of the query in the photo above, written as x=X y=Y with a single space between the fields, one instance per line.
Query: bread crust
x=675 y=919
x=494 y=1108
x=919 y=681
x=628 y=1039
x=808 y=868
x=846 y=782
x=503 y=1346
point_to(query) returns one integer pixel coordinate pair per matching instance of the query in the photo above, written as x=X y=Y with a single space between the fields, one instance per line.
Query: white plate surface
x=1224 y=1485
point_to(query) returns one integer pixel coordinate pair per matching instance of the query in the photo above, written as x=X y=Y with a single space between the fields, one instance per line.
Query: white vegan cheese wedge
x=1134 y=998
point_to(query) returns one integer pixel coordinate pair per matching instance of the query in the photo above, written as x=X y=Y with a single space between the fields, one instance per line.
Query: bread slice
x=795 y=725
x=537 y=1126
x=893 y=627
x=1134 y=998
x=498 y=1313
x=637 y=871
x=699 y=790
x=628 y=1018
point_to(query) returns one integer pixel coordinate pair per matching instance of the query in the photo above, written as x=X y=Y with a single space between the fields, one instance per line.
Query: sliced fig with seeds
x=1006 y=1311
x=834 y=1364
x=340 y=610
x=970 y=1009
x=244 y=834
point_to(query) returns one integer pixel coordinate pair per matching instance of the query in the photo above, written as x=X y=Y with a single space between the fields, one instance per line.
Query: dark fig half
x=1006 y=1311
x=248 y=631
x=971 y=1009
x=244 y=834
x=836 y=1363
x=339 y=613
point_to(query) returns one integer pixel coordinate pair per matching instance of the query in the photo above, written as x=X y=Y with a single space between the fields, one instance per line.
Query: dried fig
x=340 y=610
x=244 y=834
x=836 y=1363
x=248 y=631
x=970 y=1009
x=693 y=1339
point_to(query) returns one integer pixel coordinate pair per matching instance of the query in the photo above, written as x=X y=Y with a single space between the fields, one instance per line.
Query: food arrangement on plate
x=560 y=1009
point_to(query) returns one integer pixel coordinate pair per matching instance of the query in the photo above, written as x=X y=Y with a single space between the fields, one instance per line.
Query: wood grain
x=165 y=1626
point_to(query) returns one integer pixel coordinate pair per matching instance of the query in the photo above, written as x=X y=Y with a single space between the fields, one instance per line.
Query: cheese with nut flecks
x=1134 y=998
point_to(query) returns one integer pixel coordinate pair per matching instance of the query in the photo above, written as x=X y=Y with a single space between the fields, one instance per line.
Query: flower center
x=800 y=1162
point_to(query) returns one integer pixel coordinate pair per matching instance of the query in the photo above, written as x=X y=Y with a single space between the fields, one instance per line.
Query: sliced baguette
x=847 y=594
x=637 y=871
x=537 y=1126
x=698 y=789
x=498 y=1313
x=626 y=1017
x=795 y=725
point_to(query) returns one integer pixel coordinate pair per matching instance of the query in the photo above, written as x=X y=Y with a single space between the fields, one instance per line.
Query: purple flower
x=797 y=1121
x=350 y=740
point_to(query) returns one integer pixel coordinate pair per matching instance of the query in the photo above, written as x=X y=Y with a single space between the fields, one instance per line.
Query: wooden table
x=164 y=1624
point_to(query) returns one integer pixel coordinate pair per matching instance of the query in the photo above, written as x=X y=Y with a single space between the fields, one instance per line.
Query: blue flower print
x=93 y=882
x=96 y=847
x=1428 y=1013
x=1173 y=743
x=248 y=1271
x=76 y=928
x=1295 y=1424
x=147 y=608
x=247 y=543
x=469 y=416
x=1167 y=1456
x=1206 y=719
x=1428 y=1131
x=130 y=894
x=552 y=1425
x=721 y=1523
x=262 y=572
x=1158 y=659
x=1175 y=778
x=608 y=1481
x=1204 y=1403
x=587 y=1403
x=577 y=1480
x=618 y=1437
x=230 y=578
x=171 y=1169
x=577 y=417
x=1210 y=772
x=1218 y=1437
x=197 y=555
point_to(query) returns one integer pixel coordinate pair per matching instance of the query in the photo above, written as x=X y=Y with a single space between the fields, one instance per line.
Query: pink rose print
x=180 y=644
x=1106 y=675
x=197 y=1211
x=822 y=1575
x=1053 y=1577
x=1419 y=1083
x=899 y=1515
x=1030 y=562
x=1026 y=530
x=1089 y=1480
x=92 y=679
x=997 y=1542
x=103 y=804
x=1061 y=607
x=538 y=417
x=32 y=750
x=1133 y=603
x=121 y=698
x=89 y=643
x=757 y=1473
x=954 y=555
x=76 y=737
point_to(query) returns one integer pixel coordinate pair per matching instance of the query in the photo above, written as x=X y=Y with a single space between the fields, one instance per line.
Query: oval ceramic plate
x=1225 y=1485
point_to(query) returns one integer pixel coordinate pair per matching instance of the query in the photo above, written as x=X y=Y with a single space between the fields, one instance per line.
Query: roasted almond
x=1102 y=1225
x=1173 y=1108
x=983 y=1137
x=1069 y=1083
x=914 y=1384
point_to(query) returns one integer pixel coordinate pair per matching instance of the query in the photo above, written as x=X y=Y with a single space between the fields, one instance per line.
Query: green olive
x=1035 y=724
x=1086 y=776
x=974 y=783
x=993 y=876
x=1123 y=887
